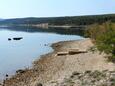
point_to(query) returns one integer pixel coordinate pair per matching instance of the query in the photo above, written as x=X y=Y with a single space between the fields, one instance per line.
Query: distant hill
x=70 y=20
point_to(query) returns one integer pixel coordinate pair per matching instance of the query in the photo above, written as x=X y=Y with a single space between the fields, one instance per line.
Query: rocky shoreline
x=76 y=69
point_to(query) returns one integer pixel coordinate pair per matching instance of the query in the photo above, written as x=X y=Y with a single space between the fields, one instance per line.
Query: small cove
x=20 y=54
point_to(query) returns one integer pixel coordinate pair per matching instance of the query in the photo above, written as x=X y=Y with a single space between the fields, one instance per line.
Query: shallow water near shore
x=19 y=54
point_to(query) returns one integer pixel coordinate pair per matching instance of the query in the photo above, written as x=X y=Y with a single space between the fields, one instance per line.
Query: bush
x=104 y=36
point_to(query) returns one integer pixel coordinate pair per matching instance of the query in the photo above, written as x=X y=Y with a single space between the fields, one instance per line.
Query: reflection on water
x=62 y=31
x=20 y=54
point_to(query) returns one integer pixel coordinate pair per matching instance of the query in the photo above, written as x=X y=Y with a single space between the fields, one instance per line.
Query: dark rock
x=6 y=75
x=20 y=71
x=38 y=84
x=87 y=72
x=9 y=39
x=75 y=73
x=0 y=84
x=18 y=38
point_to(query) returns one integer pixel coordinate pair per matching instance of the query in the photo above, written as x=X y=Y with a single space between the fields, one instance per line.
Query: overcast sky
x=51 y=8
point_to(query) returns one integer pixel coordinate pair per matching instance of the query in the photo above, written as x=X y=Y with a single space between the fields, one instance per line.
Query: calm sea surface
x=20 y=54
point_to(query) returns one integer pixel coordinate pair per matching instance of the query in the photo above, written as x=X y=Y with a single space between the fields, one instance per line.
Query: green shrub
x=104 y=38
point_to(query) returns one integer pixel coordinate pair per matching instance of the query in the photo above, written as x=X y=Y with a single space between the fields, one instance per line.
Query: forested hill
x=71 y=20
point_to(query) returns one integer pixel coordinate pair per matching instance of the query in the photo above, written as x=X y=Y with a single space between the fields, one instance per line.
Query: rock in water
x=9 y=39
x=18 y=38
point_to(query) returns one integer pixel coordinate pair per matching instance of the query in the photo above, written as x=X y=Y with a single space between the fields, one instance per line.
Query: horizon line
x=59 y=16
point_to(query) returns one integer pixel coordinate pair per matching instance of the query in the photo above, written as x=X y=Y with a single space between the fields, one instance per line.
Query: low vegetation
x=103 y=35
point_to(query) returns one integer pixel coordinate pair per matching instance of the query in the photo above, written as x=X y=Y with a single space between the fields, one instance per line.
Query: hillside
x=70 y=20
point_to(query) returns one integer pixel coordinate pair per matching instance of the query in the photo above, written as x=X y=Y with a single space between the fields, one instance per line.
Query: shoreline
x=52 y=67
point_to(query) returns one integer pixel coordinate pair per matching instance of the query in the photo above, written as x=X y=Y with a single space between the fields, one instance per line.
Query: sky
x=54 y=8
